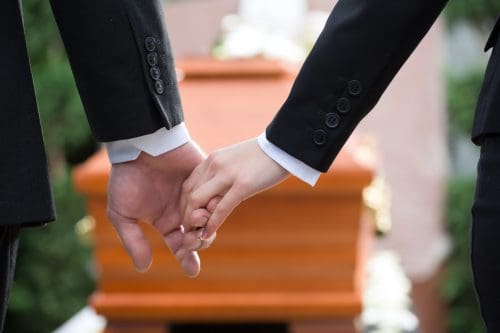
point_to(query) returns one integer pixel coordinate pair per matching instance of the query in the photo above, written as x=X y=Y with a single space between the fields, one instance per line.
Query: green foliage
x=53 y=278
x=463 y=92
x=474 y=11
x=458 y=286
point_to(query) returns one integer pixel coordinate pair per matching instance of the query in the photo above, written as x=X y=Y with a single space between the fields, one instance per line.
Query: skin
x=149 y=190
x=219 y=184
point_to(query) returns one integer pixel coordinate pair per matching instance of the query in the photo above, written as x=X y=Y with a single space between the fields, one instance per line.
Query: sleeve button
x=354 y=87
x=150 y=44
x=159 y=87
x=332 y=120
x=154 y=72
x=319 y=137
x=152 y=59
x=343 y=105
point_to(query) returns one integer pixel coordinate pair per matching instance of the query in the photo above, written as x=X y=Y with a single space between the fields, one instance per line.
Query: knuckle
x=226 y=180
x=243 y=185
x=211 y=157
x=194 y=199
x=222 y=211
x=216 y=161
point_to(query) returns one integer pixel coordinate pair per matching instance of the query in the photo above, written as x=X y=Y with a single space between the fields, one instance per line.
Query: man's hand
x=149 y=190
x=219 y=184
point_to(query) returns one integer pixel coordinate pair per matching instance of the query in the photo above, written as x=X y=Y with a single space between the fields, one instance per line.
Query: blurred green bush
x=53 y=277
x=463 y=91
x=477 y=12
x=458 y=290
x=463 y=316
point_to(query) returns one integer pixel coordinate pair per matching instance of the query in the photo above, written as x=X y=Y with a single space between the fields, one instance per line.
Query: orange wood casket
x=292 y=254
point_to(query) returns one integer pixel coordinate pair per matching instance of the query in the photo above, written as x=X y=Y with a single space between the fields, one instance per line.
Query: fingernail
x=145 y=269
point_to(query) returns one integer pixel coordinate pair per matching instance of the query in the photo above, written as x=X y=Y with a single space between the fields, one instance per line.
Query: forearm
x=122 y=63
x=362 y=47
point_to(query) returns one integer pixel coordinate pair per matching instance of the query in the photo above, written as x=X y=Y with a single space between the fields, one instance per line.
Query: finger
x=226 y=205
x=189 y=184
x=201 y=196
x=208 y=242
x=195 y=176
x=192 y=240
x=198 y=219
x=189 y=260
x=213 y=203
x=191 y=264
x=197 y=223
x=133 y=239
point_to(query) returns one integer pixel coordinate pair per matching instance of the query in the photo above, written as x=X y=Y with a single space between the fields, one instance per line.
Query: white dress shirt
x=164 y=140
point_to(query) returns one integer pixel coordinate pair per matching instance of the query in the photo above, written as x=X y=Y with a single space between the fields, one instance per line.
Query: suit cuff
x=291 y=164
x=154 y=144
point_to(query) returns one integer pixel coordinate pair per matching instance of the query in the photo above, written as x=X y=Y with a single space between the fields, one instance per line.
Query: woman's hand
x=220 y=183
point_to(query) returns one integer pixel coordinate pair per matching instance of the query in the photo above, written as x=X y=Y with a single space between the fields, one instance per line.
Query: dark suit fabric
x=122 y=63
x=361 y=49
x=487 y=118
x=9 y=240
x=24 y=183
x=485 y=252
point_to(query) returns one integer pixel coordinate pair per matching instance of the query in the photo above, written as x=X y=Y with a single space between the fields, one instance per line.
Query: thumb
x=133 y=239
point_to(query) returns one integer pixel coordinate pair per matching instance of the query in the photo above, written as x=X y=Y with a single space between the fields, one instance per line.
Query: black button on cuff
x=152 y=59
x=319 y=137
x=159 y=87
x=354 y=87
x=150 y=44
x=343 y=105
x=332 y=120
x=155 y=73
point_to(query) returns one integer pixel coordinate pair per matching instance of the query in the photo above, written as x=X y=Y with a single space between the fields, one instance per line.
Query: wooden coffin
x=291 y=254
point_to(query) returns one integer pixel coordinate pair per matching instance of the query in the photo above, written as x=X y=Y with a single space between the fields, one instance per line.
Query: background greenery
x=463 y=90
x=54 y=275
x=478 y=12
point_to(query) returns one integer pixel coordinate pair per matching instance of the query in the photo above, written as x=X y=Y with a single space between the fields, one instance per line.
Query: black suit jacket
x=122 y=63
x=362 y=47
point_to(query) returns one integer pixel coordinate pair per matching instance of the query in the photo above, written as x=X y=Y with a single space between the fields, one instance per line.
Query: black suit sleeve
x=122 y=63
x=362 y=47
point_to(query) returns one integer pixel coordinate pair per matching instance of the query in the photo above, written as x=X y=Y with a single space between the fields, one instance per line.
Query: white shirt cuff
x=154 y=144
x=291 y=164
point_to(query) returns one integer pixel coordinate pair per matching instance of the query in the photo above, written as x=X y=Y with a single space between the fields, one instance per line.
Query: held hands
x=149 y=189
x=220 y=183
x=184 y=197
